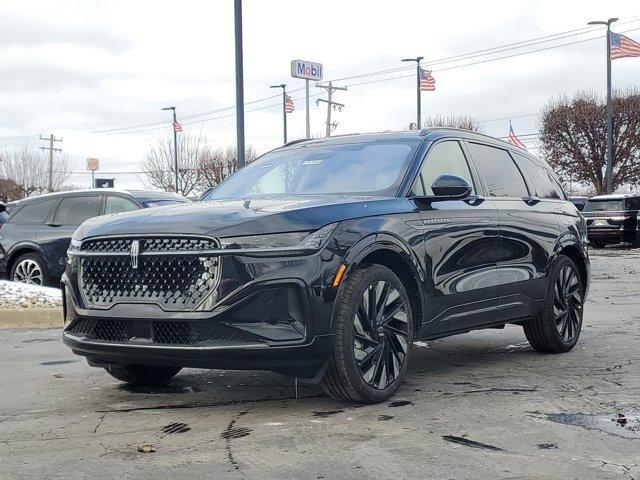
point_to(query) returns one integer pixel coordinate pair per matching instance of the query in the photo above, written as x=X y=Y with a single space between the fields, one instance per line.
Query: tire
x=142 y=374
x=557 y=327
x=369 y=358
x=598 y=244
x=30 y=268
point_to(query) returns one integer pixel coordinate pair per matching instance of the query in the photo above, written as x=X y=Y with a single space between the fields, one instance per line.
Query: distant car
x=579 y=202
x=612 y=219
x=36 y=232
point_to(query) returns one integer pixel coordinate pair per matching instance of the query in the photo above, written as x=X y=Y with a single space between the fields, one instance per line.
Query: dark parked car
x=326 y=259
x=612 y=219
x=35 y=237
x=579 y=202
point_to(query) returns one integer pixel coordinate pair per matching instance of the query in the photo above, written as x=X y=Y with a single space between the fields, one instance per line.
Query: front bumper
x=277 y=318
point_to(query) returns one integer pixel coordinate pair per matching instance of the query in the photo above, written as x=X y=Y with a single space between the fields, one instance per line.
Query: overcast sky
x=76 y=67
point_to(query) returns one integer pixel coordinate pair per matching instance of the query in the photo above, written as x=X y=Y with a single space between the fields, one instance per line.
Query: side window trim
x=531 y=189
x=484 y=186
x=465 y=154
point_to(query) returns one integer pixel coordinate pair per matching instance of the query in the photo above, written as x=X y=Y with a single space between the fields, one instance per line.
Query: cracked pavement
x=480 y=405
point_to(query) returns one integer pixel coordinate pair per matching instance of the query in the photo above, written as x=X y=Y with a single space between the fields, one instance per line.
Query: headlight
x=74 y=246
x=303 y=240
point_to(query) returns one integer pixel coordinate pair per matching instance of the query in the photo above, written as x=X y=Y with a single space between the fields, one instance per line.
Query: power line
x=465 y=56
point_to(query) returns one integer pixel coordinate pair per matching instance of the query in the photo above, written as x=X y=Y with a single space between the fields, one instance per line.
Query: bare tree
x=573 y=138
x=216 y=165
x=29 y=169
x=466 y=122
x=158 y=162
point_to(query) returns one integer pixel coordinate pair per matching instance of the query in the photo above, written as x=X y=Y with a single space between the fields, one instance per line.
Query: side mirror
x=450 y=187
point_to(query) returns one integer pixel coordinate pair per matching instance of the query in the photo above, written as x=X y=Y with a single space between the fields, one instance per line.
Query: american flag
x=622 y=46
x=514 y=140
x=427 y=82
x=177 y=127
x=288 y=104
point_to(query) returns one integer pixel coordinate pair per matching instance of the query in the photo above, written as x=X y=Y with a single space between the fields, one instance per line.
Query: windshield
x=364 y=168
x=604 y=206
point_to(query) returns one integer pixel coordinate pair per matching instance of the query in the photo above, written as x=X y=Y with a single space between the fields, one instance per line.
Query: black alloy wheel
x=557 y=326
x=373 y=321
x=380 y=335
x=567 y=304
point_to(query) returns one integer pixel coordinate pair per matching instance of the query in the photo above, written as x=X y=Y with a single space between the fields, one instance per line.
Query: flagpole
x=608 y=176
x=419 y=94
x=284 y=108
x=418 y=99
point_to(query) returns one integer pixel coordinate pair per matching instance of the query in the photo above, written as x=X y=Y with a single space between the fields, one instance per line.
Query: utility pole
x=175 y=148
x=283 y=86
x=51 y=138
x=608 y=176
x=239 y=83
x=330 y=105
x=419 y=102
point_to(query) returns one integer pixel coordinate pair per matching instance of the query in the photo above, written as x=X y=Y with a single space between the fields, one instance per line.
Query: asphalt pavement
x=478 y=406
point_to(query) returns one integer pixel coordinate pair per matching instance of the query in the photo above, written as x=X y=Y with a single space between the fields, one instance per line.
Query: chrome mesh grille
x=150 y=244
x=176 y=283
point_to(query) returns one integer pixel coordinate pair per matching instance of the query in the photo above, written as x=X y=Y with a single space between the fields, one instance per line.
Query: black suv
x=612 y=219
x=325 y=260
x=35 y=234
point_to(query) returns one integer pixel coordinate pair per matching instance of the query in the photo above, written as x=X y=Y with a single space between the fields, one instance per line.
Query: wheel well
x=17 y=254
x=574 y=254
x=400 y=266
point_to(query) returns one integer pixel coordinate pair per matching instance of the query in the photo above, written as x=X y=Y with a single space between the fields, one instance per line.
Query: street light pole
x=284 y=107
x=419 y=102
x=175 y=148
x=608 y=176
x=239 y=83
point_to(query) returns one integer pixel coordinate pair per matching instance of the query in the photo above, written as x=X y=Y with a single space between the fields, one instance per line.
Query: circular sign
x=92 y=164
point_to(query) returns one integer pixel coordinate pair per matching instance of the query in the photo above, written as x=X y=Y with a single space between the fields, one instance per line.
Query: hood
x=244 y=217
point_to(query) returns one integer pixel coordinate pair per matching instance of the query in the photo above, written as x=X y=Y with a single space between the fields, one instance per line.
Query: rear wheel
x=557 y=327
x=373 y=330
x=31 y=269
x=142 y=374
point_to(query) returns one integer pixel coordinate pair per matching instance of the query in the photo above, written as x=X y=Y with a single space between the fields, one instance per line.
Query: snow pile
x=20 y=295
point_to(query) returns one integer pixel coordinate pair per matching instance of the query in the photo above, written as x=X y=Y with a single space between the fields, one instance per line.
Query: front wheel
x=145 y=375
x=373 y=330
x=557 y=327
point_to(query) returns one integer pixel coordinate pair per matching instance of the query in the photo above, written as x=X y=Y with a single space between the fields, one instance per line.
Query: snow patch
x=21 y=295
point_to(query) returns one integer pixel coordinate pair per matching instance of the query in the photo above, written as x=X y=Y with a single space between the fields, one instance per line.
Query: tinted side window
x=500 y=174
x=444 y=158
x=34 y=212
x=119 y=205
x=633 y=204
x=543 y=183
x=75 y=210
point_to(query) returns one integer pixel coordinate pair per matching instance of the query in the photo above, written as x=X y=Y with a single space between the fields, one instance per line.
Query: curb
x=30 y=317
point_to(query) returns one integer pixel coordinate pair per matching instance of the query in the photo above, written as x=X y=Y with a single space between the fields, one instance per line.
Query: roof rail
x=293 y=142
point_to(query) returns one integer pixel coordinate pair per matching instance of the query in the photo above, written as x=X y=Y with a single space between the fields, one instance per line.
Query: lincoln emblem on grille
x=135 y=253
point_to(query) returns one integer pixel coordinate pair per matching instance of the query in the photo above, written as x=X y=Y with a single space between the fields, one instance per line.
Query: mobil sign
x=306 y=70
